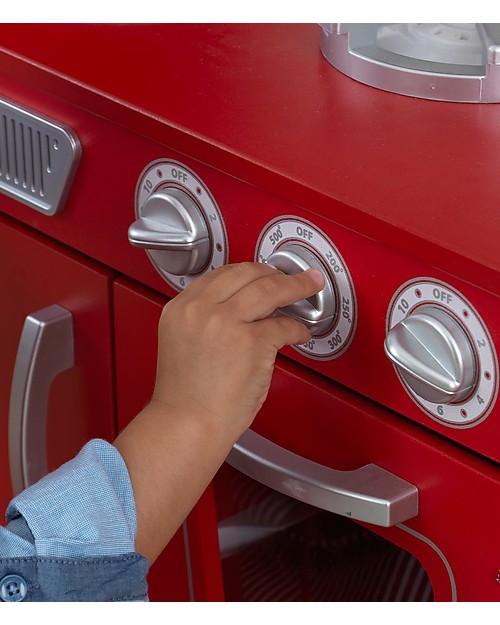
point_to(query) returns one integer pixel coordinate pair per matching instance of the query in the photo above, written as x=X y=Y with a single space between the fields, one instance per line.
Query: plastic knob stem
x=433 y=355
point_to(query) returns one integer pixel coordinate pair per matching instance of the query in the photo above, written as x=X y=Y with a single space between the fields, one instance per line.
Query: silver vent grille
x=38 y=158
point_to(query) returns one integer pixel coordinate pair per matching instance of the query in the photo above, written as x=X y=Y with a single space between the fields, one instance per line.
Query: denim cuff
x=110 y=578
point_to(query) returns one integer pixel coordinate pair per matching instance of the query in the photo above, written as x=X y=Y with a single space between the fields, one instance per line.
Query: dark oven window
x=274 y=548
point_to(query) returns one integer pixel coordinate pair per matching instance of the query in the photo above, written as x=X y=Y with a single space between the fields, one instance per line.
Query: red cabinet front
x=35 y=274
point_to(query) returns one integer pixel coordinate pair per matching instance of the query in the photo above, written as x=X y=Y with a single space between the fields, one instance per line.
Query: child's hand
x=218 y=341
x=217 y=346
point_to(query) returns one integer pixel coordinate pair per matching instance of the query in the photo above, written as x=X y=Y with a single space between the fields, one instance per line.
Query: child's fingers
x=263 y=296
x=280 y=331
x=222 y=283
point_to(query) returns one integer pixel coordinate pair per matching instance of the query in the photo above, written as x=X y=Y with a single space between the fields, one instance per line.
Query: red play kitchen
x=135 y=158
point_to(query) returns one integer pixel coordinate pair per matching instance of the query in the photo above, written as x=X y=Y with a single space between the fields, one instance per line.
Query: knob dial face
x=442 y=352
x=292 y=244
x=178 y=223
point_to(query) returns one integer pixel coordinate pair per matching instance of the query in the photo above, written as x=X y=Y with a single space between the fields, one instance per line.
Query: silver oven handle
x=369 y=494
x=45 y=349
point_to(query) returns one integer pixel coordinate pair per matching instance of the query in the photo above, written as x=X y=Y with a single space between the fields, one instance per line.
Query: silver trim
x=38 y=158
x=189 y=566
x=46 y=348
x=361 y=52
x=370 y=493
x=438 y=551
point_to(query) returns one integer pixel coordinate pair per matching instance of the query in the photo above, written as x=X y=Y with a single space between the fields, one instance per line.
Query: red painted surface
x=35 y=273
x=404 y=188
x=260 y=102
x=100 y=209
x=204 y=549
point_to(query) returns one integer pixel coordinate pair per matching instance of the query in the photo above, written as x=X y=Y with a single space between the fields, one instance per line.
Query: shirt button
x=13 y=588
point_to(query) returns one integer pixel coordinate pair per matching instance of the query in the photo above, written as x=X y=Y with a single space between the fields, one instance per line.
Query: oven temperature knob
x=433 y=355
x=316 y=312
x=172 y=226
x=293 y=244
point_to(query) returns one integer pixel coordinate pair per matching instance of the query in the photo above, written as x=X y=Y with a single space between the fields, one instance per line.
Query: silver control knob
x=172 y=228
x=434 y=355
x=316 y=312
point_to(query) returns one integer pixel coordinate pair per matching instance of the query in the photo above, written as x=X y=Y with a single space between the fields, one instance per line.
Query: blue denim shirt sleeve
x=73 y=532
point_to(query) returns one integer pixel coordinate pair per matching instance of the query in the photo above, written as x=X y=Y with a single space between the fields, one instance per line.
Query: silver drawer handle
x=370 y=493
x=45 y=350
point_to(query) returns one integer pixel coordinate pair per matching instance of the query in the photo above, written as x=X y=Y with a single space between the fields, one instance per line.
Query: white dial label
x=162 y=174
x=289 y=229
x=476 y=407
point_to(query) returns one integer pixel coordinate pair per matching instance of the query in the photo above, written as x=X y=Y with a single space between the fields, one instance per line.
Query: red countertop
x=260 y=102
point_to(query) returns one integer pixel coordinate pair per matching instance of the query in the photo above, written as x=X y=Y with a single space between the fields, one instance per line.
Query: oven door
x=252 y=536
x=277 y=548
x=319 y=456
